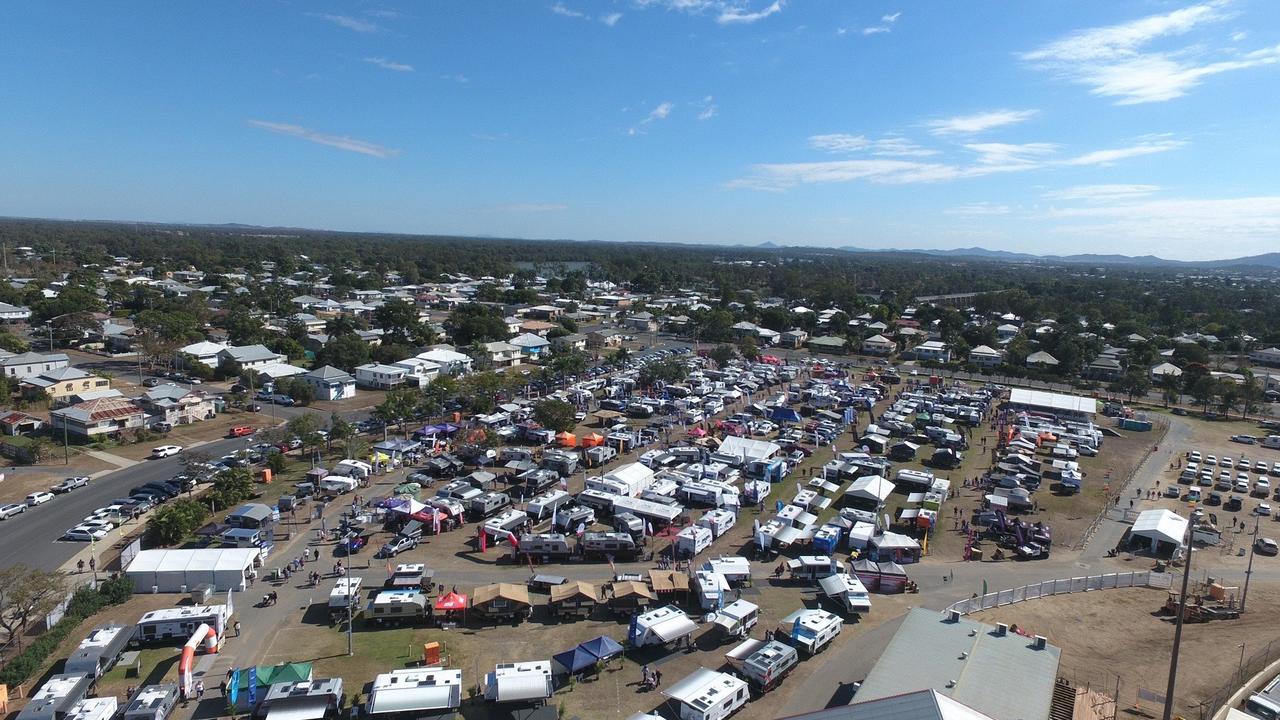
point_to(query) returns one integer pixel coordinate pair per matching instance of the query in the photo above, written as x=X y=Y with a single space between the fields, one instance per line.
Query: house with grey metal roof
x=919 y=705
x=30 y=364
x=250 y=357
x=330 y=383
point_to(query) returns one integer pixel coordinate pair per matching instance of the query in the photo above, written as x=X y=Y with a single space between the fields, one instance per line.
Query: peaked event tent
x=451 y=601
x=603 y=647
x=566 y=439
x=575 y=660
x=593 y=440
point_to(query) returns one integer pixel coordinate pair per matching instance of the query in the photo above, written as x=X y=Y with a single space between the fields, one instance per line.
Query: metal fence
x=1061 y=586
x=1249 y=665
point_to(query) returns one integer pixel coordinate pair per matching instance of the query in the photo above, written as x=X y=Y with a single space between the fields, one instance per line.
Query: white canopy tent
x=181 y=570
x=871 y=487
x=1160 y=526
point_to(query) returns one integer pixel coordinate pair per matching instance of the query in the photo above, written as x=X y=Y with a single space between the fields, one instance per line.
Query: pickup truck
x=70 y=484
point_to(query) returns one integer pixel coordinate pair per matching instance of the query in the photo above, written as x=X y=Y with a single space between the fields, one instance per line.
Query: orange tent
x=592 y=440
x=567 y=439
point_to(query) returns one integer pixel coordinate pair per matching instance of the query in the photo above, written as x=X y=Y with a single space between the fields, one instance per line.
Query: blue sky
x=1041 y=126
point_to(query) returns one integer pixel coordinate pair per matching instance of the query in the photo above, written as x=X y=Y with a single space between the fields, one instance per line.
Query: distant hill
x=1267 y=260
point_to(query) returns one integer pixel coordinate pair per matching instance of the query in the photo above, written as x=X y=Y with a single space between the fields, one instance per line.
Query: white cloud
x=732 y=15
x=350 y=23
x=780 y=176
x=342 y=142
x=890 y=146
x=611 y=19
x=1239 y=36
x=1183 y=227
x=456 y=77
x=659 y=113
x=891 y=18
x=560 y=9
x=900 y=147
x=1107 y=157
x=875 y=30
x=978 y=122
x=532 y=208
x=1005 y=154
x=1115 y=192
x=1111 y=61
x=839 y=142
x=389 y=64
x=981 y=209
x=709 y=109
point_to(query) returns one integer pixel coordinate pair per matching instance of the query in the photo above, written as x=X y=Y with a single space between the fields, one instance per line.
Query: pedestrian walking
x=237 y=626
x=657 y=678
x=80 y=566
x=93 y=564
x=199 y=690
x=644 y=674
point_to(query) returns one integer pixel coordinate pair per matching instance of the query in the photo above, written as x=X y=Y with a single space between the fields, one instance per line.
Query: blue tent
x=574 y=661
x=603 y=647
x=784 y=414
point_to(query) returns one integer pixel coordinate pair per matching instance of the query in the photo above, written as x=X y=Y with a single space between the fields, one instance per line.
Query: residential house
x=330 y=383
x=827 y=344
x=501 y=354
x=984 y=356
x=604 y=339
x=250 y=357
x=177 y=404
x=60 y=383
x=421 y=372
x=569 y=343
x=544 y=312
x=14 y=313
x=116 y=335
x=934 y=350
x=1104 y=367
x=276 y=371
x=535 y=327
x=532 y=345
x=30 y=364
x=793 y=338
x=381 y=377
x=204 y=352
x=1165 y=370
x=1007 y=332
x=308 y=321
x=1266 y=356
x=105 y=416
x=878 y=345
x=642 y=322
x=451 y=362
x=1041 y=359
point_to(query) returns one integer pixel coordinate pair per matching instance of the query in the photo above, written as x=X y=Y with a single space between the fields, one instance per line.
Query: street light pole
x=1244 y=595
x=1177 y=631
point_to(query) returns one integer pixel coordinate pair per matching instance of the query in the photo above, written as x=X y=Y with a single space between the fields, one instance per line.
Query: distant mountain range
x=1266 y=260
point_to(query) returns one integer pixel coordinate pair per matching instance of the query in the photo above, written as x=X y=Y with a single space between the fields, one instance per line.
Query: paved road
x=33 y=536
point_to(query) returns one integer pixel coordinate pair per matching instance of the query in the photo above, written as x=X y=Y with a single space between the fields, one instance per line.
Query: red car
x=240 y=431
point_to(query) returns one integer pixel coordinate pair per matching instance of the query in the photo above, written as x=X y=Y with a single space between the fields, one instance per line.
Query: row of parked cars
x=41 y=497
x=121 y=510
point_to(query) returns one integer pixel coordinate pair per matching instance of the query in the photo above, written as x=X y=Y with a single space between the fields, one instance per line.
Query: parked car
x=165 y=451
x=8 y=511
x=1214 y=498
x=162 y=426
x=39 y=498
x=70 y=484
x=240 y=431
x=1262 y=509
x=151 y=382
x=253 y=407
x=1244 y=439
x=81 y=533
x=1233 y=504
x=1266 y=546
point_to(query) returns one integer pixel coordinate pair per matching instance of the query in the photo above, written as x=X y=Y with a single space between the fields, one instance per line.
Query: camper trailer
x=711 y=589
x=97 y=653
x=848 y=592
x=487 y=505
x=337 y=484
x=344 y=598
x=413 y=693
x=460 y=490
x=546 y=546
x=522 y=682
x=509 y=522
x=570 y=518
x=661 y=626
x=812 y=568
x=718 y=522
x=619 y=546
x=544 y=506
x=708 y=695
x=597 y=500
x=737 y=618
x=394 y=607
x=159 y=626
x=810 y=631
x=734 y=568
x=914 y=478
x=410 y=576
x=305 y=700
x=94 y=708
x=693 y=540
x=153 y=702
x=763 y=664
x=56 y=696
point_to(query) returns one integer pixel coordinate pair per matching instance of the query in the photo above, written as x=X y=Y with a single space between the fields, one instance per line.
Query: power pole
x=1249 y=571
x=1177 y=631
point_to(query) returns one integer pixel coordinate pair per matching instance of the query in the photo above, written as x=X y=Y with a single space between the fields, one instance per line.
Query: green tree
x=339 y=429
x=397 y=407
x=346 y=352
x=174 y=521
x=555 y=414
x=472 y=323
x=723 y=355
x=27 y=594
x=1203 y=390
x=399 y=319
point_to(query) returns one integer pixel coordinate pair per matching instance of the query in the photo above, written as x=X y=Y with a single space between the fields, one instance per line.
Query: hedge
x=85 y=603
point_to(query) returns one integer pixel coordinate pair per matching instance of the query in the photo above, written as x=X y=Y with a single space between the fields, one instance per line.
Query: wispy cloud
x=611 y=19
x=890 y=18
x=876 y=30
x=780 y=176
x=978 y=122
x=560 y=9
x=709 y=109
x=1110 y=156
x=981 y=209
x=661 y=112
x=1180 y=226
x=733 y=15
x=1115 y=192
x=890 y=146
x=1003 y=154
x=389 y=64
x=532 y=208
x=341 y=142
x=350 y=23
x=1113 y=62
x=456 y=77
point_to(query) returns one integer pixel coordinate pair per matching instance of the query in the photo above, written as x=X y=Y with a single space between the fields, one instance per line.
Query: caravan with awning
x=415 y=694
x=522 y=682
x=661 y=626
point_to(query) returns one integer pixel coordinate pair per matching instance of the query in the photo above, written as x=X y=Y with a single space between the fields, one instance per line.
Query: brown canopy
x=668 y=581
x=506 y=591
x=570 y=590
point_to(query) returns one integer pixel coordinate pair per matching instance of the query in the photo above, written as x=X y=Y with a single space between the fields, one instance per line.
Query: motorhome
x=810 y=631
x=414 y=693
x=487 y=505
x=737 y=618
x=618 y=546
x=398 y=606
x=167 y=624
x=708 y=695
x=763 y=664
x=734 y=568
x=153 y=702
x=304 y=700
x=660 y=626
x=521 y=682
x=692 y=540
x=812 y=568
x=98 y=652
x=543 y=506
x=547 y=546
x=344 y=598
x=847 y=592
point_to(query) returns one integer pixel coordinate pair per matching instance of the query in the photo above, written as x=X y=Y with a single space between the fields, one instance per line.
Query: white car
x=98 y=521
x=1262 y=487
x=1262 y=509
x=165 y=451
x=8 y=511
x=1194 y=456
x=39 y=498
x=1210 y=459
x=1227 y=462
x=82 y=533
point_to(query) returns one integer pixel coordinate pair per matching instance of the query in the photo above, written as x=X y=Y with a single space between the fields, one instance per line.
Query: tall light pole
x=1244 y=595
x=48 y=324
x=1177 y=631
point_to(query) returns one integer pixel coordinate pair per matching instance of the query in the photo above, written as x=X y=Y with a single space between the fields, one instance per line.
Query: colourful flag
x=483 y=543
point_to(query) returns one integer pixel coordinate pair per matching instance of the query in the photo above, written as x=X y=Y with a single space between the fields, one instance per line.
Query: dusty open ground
x=1116 y=633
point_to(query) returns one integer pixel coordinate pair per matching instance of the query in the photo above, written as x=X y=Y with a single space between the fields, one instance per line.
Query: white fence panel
x=1062 y=586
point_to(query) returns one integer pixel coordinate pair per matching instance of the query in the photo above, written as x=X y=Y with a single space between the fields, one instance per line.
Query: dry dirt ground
x=1126 y=639
x=19 y=481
